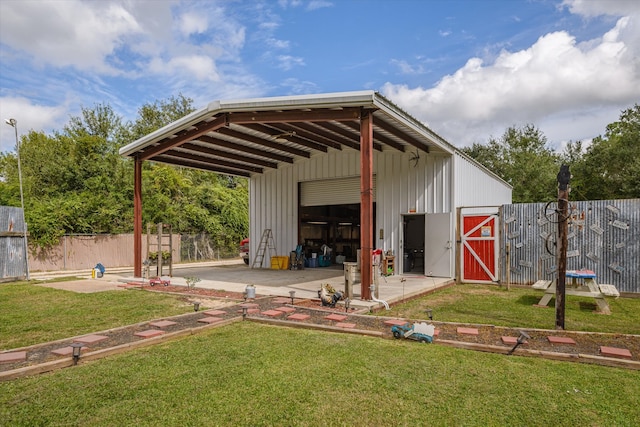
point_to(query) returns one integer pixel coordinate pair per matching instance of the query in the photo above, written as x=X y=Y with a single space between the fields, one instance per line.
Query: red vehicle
x=244 y=250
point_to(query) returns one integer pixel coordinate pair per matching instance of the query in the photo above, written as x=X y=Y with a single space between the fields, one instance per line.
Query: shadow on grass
x=528 y=299
x=588 y=306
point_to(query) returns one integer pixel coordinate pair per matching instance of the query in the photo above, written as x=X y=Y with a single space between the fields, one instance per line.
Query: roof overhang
x=245 y=137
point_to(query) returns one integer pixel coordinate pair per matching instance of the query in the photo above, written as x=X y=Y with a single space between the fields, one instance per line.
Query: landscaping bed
x=225 y=306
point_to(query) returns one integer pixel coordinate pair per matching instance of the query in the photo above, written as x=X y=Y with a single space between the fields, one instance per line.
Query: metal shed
x=350 y=170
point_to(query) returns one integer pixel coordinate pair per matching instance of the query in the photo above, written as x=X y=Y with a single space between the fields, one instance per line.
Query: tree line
x=74 y=180
x=608 y=168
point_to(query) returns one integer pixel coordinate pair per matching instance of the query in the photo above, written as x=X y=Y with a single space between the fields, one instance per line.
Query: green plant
x=191 y=281
x=153 y=256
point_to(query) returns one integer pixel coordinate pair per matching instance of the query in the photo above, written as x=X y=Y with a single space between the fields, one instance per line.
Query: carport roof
x=250 y=136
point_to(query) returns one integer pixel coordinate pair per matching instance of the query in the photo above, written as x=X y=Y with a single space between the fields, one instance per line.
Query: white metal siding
x=400 y=187
x=477 y=187
x=403 y=186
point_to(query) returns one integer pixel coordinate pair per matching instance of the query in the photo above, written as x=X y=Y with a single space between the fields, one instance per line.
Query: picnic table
x=583 y=283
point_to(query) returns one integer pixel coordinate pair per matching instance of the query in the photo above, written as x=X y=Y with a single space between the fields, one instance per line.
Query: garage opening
x=329 y=217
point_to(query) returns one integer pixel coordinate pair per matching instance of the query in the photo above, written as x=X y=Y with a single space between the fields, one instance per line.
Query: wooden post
x=508 y=266
x=564 y=177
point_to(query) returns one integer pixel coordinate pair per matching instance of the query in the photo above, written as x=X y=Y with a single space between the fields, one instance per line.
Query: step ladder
x=266 y=243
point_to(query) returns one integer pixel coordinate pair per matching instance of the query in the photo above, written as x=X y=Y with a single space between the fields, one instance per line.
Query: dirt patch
x=83 y=286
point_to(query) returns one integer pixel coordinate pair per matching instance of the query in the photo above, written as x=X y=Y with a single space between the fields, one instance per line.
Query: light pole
x=14 y=124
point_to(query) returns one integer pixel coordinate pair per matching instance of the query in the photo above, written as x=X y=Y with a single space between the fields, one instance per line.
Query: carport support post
x=137 y=217
x=366 y=202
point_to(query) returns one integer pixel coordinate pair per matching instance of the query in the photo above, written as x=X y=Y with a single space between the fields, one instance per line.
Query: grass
x=32 y=314
x=249 y=374
x=484 y=304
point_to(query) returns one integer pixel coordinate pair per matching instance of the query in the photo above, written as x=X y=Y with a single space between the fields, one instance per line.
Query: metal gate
x=479 y=238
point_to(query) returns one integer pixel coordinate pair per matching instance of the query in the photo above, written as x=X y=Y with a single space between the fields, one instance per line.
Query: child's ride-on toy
x=421 y=332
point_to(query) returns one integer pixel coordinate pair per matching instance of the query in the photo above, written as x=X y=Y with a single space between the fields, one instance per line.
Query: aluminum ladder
x=266 y=243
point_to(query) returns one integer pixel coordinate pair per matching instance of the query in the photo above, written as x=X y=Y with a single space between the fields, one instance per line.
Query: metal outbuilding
x=350 y=171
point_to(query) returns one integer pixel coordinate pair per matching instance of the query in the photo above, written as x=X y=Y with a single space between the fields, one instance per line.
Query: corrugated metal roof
x=244 y=137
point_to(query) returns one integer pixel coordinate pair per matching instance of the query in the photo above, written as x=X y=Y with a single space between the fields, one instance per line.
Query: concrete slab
x=615 y=352
x=273 y=313
x=232 y=275
x=210 y=319
x=468 y=331
x=298 y=316
x=561 y=340
x=14 y=356
x=91 y=339
x=511 y=340
x=66 y=351
x=149 y=333
x=215 y=312
x=162 y=323
x=336 y=317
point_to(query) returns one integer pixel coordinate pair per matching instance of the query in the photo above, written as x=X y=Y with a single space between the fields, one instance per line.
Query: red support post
x=366 y=202
x=137 y=218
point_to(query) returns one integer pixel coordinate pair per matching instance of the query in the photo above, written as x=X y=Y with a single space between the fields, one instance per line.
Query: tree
x=610 y=167
x=521 y=158
x=76 y=182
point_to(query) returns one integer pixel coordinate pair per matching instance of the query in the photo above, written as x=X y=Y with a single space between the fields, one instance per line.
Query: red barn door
x=479 y=235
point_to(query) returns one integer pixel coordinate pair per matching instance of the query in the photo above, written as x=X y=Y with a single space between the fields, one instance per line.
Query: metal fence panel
x=12 y=254
x=603 y=236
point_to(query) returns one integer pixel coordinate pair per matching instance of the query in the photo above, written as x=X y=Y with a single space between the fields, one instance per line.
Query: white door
x=438 y=247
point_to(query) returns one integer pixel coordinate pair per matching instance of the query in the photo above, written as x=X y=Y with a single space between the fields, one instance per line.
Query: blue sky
x=467 y=68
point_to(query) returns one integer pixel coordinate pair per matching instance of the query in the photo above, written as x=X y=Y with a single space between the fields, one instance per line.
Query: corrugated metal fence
x=603 y=236
x=12 y=248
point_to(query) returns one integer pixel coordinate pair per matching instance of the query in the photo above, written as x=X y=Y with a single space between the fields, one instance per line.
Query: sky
x=468 y=69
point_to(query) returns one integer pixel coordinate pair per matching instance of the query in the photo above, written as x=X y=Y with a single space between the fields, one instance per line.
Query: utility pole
x=564 y=176
x=14 y=124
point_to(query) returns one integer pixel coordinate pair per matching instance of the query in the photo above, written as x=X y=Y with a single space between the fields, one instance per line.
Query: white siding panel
x=476 y=187
x=400 y=186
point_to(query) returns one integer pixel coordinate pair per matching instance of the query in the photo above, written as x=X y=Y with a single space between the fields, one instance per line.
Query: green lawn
x=32 y=314
x=485 y=304
x=249 y=374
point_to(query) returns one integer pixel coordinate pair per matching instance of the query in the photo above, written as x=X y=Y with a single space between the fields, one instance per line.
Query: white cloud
x=29 y=117
x=200 y=67
x=287 y=62
x=591 y=8
x=318 y=4
x=556 y=82
x=406 y=68
x=67 y=33
x=193 y=23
